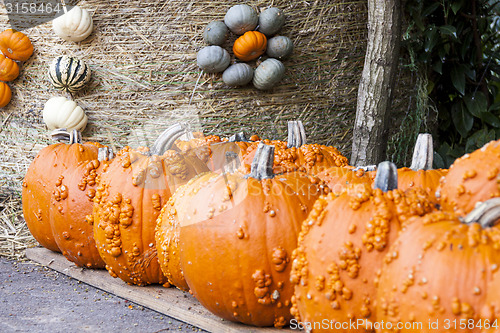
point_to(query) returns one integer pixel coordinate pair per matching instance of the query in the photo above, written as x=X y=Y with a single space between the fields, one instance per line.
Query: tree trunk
x=375 y=89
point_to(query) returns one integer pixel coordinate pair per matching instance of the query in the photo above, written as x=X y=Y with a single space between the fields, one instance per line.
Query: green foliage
x=457 y=44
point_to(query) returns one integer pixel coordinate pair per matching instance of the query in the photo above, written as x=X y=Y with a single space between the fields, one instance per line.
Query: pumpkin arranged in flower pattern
x=251 y=44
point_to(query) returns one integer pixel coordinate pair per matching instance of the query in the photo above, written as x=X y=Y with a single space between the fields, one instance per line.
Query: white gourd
x=74 y=25
x=60 y=112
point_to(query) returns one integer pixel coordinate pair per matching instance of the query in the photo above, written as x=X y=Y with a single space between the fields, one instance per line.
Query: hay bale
x=143 y=58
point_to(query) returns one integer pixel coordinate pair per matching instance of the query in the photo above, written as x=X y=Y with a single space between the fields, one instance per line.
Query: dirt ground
x=37 y=299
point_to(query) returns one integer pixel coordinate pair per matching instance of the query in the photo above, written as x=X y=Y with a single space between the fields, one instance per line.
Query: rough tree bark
x=370 y=133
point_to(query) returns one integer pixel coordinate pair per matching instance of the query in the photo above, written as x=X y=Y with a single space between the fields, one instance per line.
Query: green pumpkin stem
x=387 y=177
x=238 y=137
x=487 y=214
x=296 y=134
x=423 y=154
x=262 y=163
x=167 y=138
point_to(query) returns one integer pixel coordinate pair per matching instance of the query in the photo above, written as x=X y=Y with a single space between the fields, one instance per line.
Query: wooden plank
x=171 y=302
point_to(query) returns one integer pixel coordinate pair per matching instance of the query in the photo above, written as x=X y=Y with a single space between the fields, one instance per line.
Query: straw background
x=143 y=59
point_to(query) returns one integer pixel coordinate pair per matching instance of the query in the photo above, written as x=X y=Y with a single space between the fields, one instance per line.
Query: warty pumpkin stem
x=262 y=163
x=238 y=137
x=423 y=154
x=387 y=177
x=487 y=214
x=296 y=134
x=366 y=168
x=232 y=162
x=167 y=138
x=61 y=134
x=75 y=137
x=105 y=154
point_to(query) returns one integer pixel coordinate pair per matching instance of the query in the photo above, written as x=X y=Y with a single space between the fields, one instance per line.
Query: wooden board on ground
x=169 y=301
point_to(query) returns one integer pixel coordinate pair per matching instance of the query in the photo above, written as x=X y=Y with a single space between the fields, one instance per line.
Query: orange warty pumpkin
x=72 y=201
x=296 y=155
x=41 y=177
x=339 y=179
x=342 y=246
x=5 y=94
x=212 y=149
x=128 y=200
x=248 y=228
x=471 y=178
x=251 y=45
x=442 y=269
x=15 y=45
x=9 y=69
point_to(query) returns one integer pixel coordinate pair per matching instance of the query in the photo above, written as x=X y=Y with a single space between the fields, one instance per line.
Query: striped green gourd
x=69 y=73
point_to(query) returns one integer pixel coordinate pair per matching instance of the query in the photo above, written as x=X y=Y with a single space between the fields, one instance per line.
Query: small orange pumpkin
x=5 y=94
x=15 y=45
x=9 y=69
x=250 y=46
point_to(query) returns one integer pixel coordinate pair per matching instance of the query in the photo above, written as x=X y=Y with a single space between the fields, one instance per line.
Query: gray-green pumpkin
x=215 y=33
x=213 y=59
x=271 y=20
x=268 y=74
x=238 y=74
x=279 y=47
x=241 y=18
x=69 y=73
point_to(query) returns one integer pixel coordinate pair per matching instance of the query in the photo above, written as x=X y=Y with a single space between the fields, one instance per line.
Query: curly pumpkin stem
x=296 y=134
x=423 y=154
x=387 y=177
x=487 y=213
x=238 y=137
x=105 y=154
x=167 y=138
x=262 y=163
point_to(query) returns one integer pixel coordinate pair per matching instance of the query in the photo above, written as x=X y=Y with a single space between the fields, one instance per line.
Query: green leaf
x=448 y=30
x=458 y=79
x=431 y=38
x=476 y=104
x=438 y=162
x=470 y=72
x=494 y=107
x=455 y=7
x=438 y=67
x=462 y=119
x=430 y=9
x=491 y=119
